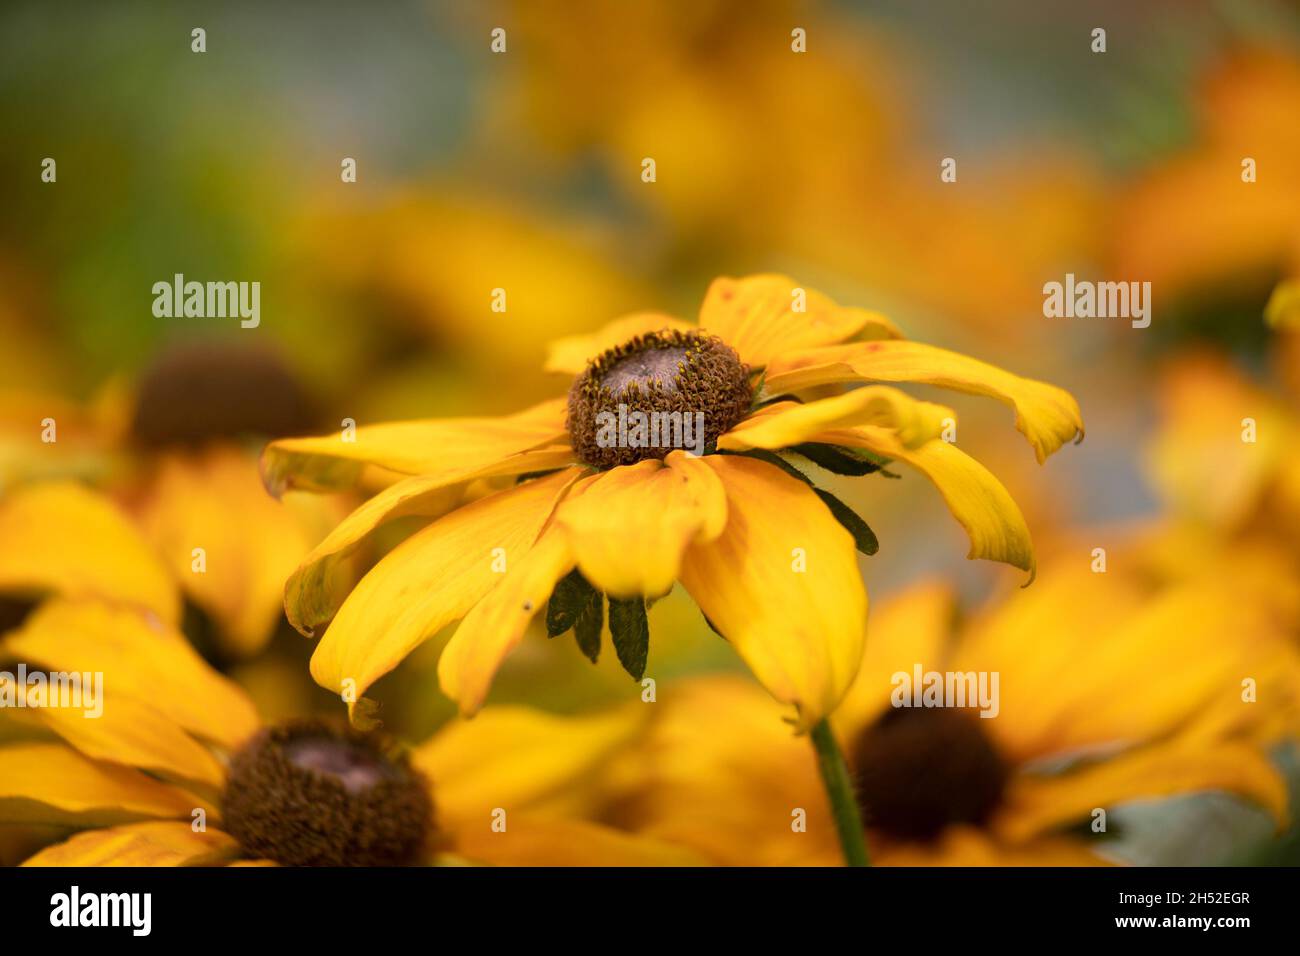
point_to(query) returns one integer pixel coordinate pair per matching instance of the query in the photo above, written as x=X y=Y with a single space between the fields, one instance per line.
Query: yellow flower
x=1198 y=219
x=179 y=770
x=766 y=557
x=173 y=456
x=1103 y=697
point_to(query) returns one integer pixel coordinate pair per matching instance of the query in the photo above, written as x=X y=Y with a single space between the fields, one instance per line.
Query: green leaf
x=863 y=537
x=630 y=629
x=772 y=458
x=587 y=626
x=575 y=605
x=838 y=460
x=567 y=601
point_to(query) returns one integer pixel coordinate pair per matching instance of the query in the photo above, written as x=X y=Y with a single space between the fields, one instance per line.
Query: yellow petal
x=313 y=594
x=140 y=662
x=719 y=771
x=529 y=841
x=1283 y=310
x=781 y=583
x=756 y=317
x=522 y=759
x=410 y=448
x=431 y=579
x=1128 y=693
x=155 y=843
x=1048 y=416
x=913 y=626
x=133 y=734
x=789 y=423
x=1037 y=804
x=211 y=501
x=629 y=526
x=572 y=353
x=65 y=539
x=971 y=846
x=979 y=502
x=498 y=622
x=51 y=783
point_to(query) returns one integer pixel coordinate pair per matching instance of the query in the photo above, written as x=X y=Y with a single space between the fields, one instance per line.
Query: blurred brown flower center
x=308 y=793
x=920 y=770
x=201 y=391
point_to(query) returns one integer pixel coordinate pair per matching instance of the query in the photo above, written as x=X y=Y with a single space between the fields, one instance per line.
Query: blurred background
x=522 y=170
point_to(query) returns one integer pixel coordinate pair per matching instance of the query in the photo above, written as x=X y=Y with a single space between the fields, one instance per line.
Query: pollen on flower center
x=920 y=770
x=308 y=793
x=660 y=391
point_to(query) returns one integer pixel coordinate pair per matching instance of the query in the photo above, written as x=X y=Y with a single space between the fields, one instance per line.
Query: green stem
x=839 y=788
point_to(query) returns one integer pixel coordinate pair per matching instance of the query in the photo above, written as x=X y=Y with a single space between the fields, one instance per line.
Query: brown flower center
x=200 y=391
x=308 y=793
x=660 y=391
x=920 y=770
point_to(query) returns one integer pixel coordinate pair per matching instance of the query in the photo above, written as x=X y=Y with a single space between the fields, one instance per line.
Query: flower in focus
x=547 y=510
x=1115 y=699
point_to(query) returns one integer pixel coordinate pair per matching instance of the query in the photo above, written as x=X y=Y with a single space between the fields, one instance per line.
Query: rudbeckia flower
x=1124 y=698
x=172 y=451
x=589 y=520
x=178 y=769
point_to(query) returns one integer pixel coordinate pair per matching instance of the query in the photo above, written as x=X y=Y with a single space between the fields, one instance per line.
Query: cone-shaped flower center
x=307 y=793
x=920 y=770
x=202 y=391
x=659 y=392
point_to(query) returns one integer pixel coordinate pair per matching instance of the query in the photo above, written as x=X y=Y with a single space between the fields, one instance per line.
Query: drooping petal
x=572 y=353
x=973 y=846
x=133 y=734
x=909 y=627
x=498 y=622
x=756 y=316
x=628 y=527
x=329 y=462
x=789 y=423
x=1037 y=804
x=980 y=503
x=523 y=760
x=210 y=501
x=781 y=583
x=1048 y=416
x=533 y=841
x=139 y=662
x=1155 y=666
x=431 y=579
x=52 y=783
x=721 y=772
x=62 y=538
x=156 y=843
x=312 y=595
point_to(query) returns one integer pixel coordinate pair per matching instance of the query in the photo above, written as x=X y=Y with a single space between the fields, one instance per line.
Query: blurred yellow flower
x=1103 y=696
x=172 y=452
x=178 y=770
x=1226 y=209
x=736 y=528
